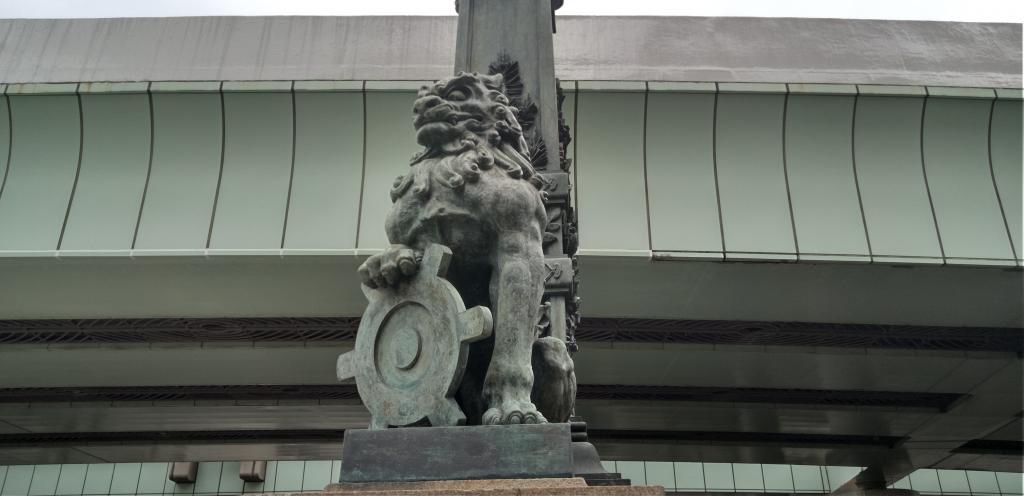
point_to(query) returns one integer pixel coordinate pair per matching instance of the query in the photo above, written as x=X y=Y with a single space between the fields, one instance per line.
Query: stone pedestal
x=492 y=487
x=416 y=454
x=451 y=453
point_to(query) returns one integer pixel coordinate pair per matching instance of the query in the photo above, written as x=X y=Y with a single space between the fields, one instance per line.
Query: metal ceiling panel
x=252 y=195
x=819 y=163
x=170 y=417
x=756 y=217
x=116 y=134
x=771 y=367
x=896 y=202
x=807 y=292
x=682 y=183
x=5 y=134
x=222 y=286
x=610 y=164
x=390 y=145
x=327 y=177
x=42 y=172
x=170 y=364
x=1006 y=158
x=187 y=139
x=747 y=417
x=955 y=142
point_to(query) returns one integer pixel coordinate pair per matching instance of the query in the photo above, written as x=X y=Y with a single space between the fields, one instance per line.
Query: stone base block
x=455 y=453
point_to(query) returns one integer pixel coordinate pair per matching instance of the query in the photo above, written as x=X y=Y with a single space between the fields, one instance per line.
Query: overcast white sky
x=935 y=10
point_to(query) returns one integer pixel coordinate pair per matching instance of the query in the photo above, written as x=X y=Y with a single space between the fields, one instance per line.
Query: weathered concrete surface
x=456 y=453
x=600 y=48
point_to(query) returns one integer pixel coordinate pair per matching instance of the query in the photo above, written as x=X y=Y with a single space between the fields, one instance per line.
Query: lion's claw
x=525 y=414
x=387 y=269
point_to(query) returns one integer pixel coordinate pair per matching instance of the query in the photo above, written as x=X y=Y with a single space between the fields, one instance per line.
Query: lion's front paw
x=386 y=269
x=513 y=413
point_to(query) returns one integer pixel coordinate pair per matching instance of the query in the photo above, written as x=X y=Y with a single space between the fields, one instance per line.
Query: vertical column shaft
x=520 y=30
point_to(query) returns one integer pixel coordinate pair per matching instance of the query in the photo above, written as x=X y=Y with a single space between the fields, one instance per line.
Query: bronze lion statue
x=474 y=190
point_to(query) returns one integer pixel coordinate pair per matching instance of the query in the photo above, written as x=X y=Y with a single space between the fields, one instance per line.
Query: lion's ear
x=498 y=80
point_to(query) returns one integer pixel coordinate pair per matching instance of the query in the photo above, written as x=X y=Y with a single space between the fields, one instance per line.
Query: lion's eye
x=456 y=95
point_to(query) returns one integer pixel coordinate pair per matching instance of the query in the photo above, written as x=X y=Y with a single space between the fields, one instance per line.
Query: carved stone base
x=491 y=487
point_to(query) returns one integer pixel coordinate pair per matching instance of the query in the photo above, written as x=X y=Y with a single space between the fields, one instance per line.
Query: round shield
x=411 y=350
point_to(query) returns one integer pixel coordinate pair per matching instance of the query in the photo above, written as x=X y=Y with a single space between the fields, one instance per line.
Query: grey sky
x=939 y=10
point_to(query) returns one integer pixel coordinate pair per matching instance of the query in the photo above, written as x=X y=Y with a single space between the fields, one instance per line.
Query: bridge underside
x=791 y=265
x=734 y=391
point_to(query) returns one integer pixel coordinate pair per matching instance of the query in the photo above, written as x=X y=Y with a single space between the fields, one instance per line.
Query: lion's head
x=470 y=113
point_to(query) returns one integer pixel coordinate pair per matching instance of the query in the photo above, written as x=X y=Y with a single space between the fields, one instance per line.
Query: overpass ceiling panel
x=215 y=451
x=756 y=217
x=971 y=373
x=850 y=293
x=625 y=365
x=41 y=173
x=819 y=161
x=390 y=144
x=955 y=140
x=216 y=287
x=1006 y=165
x=328 y=171
x=112 y=175
x=250 y=205
x=980 y=468
x=6 y=428
x=170 y=365
x=610 y=181
x=1001 y=394
x=681 y=183
x=187 y=138
x=1013 y=431
x=739 y=417
x=727 y=453
x=734 y=366
x=823 y=368
x=173 y=416
x=172 y=452
x=951 y=430
x=309 y=286
x=5 y=137
x=727 y=367
x=887 y=151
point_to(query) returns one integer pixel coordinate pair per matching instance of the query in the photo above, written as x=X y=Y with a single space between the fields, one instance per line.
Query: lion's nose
x=427 y=102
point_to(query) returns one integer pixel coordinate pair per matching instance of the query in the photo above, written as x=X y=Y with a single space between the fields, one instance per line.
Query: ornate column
x=514 y=38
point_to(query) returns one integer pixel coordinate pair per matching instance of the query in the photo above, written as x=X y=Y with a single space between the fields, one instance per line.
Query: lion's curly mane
x=466 y=126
